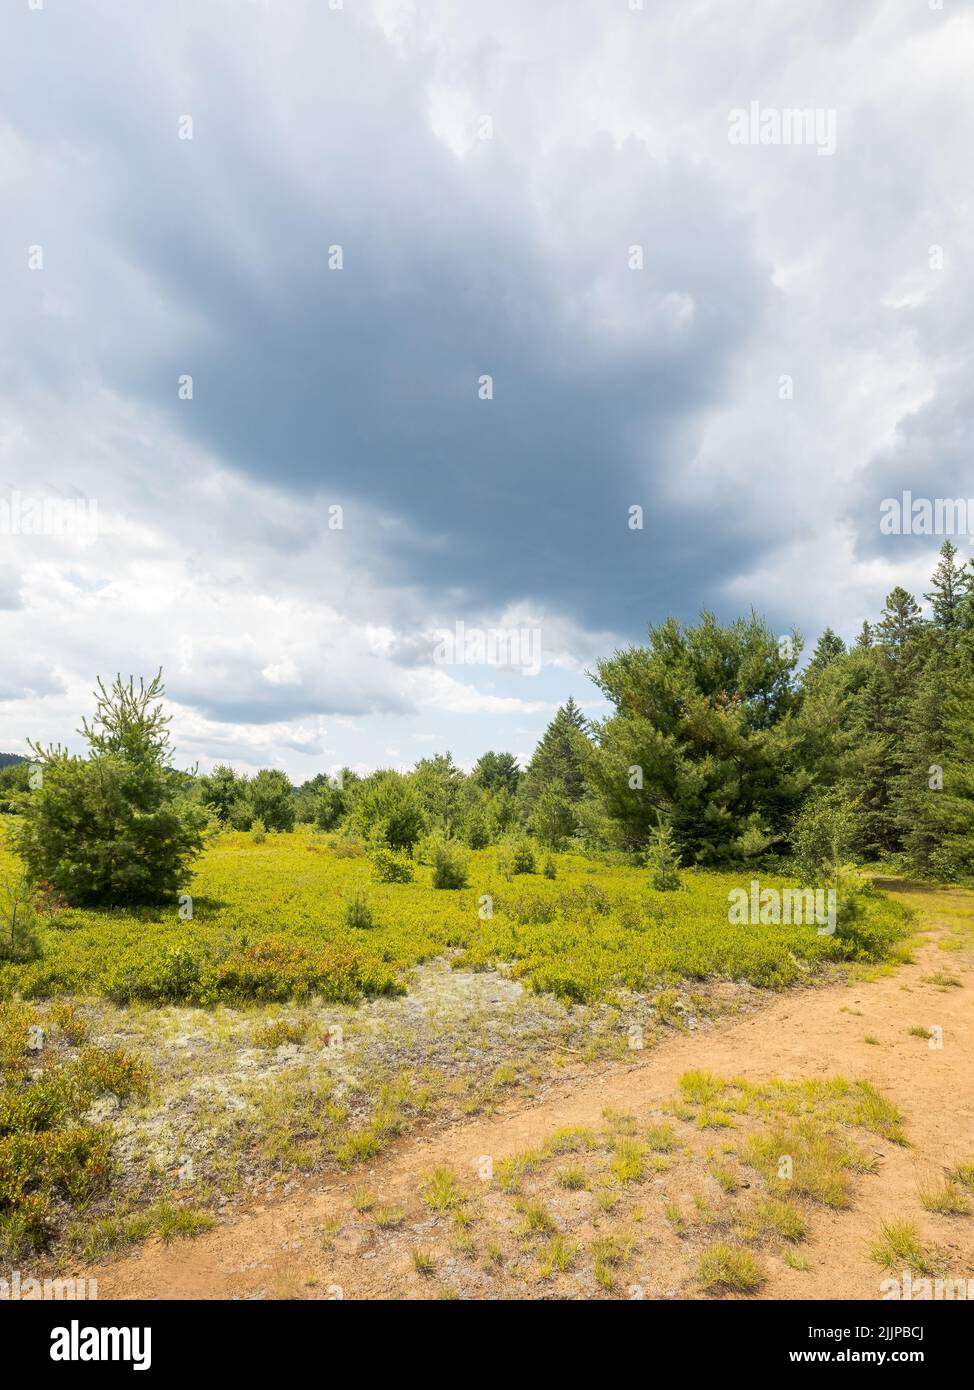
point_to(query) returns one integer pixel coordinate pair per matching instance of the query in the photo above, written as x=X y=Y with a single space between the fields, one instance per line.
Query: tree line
x=720 y=744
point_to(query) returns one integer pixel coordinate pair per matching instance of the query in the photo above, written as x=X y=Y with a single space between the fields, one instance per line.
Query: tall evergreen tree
x=560 y=758
x=706 y=732
x=950 y=584
x=497 y=772
x=917 y=790
x=953 y=857
x=899 y=625
x=865 y=639
x=828 y=648
x=931 y=793
x=871 y=743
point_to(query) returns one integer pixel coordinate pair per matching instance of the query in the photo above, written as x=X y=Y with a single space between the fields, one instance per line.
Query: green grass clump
x=794 y=1259
x=107 y=1235
x=442 y=1192
x=557 y=1256
x=572 y=1179
x=899 y=1246
x=388 y=1218
x=726 y=1268
x=570 y=1140
x=964 y=1174
x=511 y=1172
x=676 y=1217
x=279 y=1033
x=536 y=1219
x=702 y=1088
x=628 y=1161
x=660 y=1138
x=806 y=1148
x=871 y=1110
x=772 y=1216
x=609 y=1253
x=172 y=1221
x=946 y=1199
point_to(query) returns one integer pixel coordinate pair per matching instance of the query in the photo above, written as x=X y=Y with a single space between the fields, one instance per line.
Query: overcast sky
x=176 y=181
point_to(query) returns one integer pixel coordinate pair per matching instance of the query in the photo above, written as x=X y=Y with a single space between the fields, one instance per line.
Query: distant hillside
x=7 y=758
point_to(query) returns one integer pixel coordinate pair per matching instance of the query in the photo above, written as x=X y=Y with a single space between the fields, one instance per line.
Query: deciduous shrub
x=222 y=793
x=388 y=811
x=516 y=856
x=450 y=864
x=49 y=1154
x=271 y=799
x=389 y=867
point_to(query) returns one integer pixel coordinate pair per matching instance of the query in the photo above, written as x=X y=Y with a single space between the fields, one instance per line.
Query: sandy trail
x=818 y=1032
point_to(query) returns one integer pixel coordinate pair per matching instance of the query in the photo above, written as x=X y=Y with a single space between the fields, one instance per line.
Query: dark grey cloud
x=232 y=691
x=612 y=387
x=361 y=385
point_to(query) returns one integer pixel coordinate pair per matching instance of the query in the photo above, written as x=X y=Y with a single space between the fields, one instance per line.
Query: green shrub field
x=270 y=922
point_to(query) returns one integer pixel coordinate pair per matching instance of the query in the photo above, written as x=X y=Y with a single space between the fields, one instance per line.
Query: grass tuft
x=727 y=1268
x=899 y=1246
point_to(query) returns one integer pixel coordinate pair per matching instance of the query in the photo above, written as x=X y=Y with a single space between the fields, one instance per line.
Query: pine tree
x=497 y=772
x=865 y=639
x=927 y=791
x=663 y=859
x=954 y=856
x=950 y=584
x=899 y=625
x=120 y=826
x=828 y=648
x=705 y=731
x=872 y=738
x=560 y=757
x=917 y=792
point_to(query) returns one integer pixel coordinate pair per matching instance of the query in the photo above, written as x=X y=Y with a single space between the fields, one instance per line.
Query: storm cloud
x=340 y=223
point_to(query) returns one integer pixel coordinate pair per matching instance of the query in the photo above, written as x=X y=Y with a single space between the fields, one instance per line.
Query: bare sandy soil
x=320 y=1243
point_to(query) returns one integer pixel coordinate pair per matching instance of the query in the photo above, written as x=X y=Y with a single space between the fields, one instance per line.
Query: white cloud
x=289 y=642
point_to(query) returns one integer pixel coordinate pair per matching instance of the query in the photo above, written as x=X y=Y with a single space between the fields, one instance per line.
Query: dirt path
x=814 y=1033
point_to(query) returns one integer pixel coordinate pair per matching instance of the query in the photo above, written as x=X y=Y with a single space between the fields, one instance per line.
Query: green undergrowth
x=281 y=920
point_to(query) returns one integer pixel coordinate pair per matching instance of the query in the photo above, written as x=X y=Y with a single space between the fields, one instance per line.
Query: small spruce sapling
x=663 y=858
